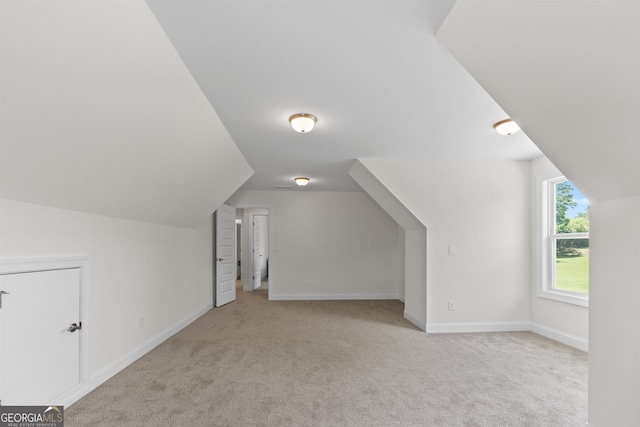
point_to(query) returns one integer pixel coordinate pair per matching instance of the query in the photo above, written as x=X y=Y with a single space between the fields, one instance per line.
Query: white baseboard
x=113 y=368
x=412 y=319
x=554 y=334
x=563 y=337
x=459 y=327
x=71 y=396
x=319 y=297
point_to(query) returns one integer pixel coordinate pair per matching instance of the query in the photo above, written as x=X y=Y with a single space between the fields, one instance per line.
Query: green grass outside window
x=572 y=270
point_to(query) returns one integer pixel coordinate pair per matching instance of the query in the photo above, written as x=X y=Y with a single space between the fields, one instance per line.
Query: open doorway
x=259 y=243
x=254 y=248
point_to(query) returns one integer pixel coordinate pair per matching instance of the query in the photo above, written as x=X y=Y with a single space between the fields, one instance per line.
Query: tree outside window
x=569 y=238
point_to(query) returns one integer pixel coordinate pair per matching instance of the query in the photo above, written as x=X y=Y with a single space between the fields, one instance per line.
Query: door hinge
x=2 y=293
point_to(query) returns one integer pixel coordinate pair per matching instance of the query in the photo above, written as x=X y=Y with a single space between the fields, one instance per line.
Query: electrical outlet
x=140 y=322
x=452 y=305
x=319 y=282
x=309 y=283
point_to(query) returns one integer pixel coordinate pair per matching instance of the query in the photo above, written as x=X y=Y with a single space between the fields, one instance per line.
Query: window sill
x=566 y=297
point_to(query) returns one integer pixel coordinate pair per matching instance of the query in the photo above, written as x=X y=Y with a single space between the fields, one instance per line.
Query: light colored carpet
x=256 y=362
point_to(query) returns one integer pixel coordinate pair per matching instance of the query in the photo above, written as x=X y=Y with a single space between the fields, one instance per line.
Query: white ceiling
x=569 y=73
x=372 y=72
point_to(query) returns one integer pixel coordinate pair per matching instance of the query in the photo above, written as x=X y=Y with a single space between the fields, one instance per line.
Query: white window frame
x=546 y=244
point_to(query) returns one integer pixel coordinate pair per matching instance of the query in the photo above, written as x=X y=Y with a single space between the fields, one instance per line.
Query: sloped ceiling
x=569 y=73
x=371 y=71
x=100 y=115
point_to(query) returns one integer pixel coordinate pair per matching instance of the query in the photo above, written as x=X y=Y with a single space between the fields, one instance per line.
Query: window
x=565 y=242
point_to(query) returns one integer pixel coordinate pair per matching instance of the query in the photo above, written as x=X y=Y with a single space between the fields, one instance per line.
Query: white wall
x=413 y=241
x=483 y=208
x=614 y=330
x=551 y=317
x=574 y=89
x=100 y=115
x=329 y=245
x=135 y=269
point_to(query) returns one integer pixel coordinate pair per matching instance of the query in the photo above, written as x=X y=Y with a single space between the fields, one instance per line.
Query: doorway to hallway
x=254 y=237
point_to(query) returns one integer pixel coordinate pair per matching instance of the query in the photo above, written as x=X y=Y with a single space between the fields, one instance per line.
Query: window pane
x=572 y=209
x=572 y=265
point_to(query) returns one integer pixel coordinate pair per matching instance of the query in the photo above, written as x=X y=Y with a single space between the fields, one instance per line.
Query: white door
x=225 y=255
x=257 y=252
x=39 y=355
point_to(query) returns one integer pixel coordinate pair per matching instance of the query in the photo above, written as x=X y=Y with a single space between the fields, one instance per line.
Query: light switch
x=452 y=249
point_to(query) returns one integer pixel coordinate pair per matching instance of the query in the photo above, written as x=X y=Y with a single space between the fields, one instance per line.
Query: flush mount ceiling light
x=506 y=127
x=303 y=122
x=301 y=180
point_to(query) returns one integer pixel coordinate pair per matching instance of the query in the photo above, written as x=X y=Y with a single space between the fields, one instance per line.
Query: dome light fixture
x=301 y=181
x=303 y=122
x=506 y=127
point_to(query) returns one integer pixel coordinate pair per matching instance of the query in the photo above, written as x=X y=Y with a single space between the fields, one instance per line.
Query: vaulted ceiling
x=158 y=111
x=569 y=73
x=372 y=72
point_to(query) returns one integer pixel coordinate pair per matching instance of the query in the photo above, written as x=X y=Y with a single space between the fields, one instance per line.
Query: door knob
x=74 y=327
x=219 y=259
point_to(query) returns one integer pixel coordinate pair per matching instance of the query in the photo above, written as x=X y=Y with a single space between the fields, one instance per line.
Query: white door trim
x=29 y=265
x=257 y=268
x=272 y=264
